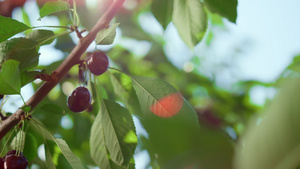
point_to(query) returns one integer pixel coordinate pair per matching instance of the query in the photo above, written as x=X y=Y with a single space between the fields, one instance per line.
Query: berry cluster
x=80 y=99
x=13 y=160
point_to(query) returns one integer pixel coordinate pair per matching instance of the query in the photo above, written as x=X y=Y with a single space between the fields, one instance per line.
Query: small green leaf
x=130 y=137
x=43 y=37
x=225 y=8
x=10 y=82
x=10 y=27
x=30 y=148
x=190 y=19
x=107 y=36
x=26 y=108
x=162 y=11
x=53 y=7
x=22 y=50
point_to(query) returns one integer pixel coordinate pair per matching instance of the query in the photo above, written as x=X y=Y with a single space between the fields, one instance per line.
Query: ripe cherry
x=97 y=62
x=1 y=163
x=15 y=162
x=79 y=100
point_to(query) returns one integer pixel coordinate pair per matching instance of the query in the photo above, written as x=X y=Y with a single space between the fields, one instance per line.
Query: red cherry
x=1 y=163
x=11 y=152
x=97 y=62
x=79 y=100
x=15 y=162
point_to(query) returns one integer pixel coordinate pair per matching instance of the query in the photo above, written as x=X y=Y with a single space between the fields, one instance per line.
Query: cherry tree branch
x=73 y=58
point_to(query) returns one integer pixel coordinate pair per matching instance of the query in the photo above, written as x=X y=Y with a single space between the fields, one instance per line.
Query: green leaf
x=273 y=142
x=10 y=27
x=107 y=36
x=72 y=159
x=190 y=19
x=182 y=125
x=53 y=7
x=10 y=82
x=28 y=76
x=162 y=11
x=98 y=149
x=22 y=50
x=115 y=123
x=30 y=148
x=48 y=155
x=225 y=8
x=43 y=37
x=26 y=108
x=124 y=90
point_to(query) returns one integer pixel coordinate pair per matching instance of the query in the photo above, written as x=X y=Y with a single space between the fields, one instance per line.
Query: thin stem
x=65 y=27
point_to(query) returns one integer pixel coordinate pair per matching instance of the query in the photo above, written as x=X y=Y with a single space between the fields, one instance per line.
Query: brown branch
x=66 y=65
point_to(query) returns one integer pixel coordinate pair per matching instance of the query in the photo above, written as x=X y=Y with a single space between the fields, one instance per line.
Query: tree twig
x=66 y=65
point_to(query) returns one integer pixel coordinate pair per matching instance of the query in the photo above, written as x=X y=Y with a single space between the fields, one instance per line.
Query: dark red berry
x=15 y=162
x=11 y=152
x=97 y=62
x=79 y=100
x=90 y=108
x=1 y=163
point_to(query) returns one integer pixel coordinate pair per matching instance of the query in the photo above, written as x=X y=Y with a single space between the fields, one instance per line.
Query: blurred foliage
x=222 y=114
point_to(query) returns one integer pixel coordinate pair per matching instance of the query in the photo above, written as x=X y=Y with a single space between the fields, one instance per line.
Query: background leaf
x=107 y=36
x=170 y=137
x=273 y=142
x=53 y=7
x=10 y=82
x=190 y=19
x=10 y=27
x=162 y=11
x=225 y=8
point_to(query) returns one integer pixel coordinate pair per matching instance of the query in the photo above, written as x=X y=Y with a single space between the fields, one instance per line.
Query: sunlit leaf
x=53 y=7
x=189 y=17
x=10 y=27
x=225 y=8
x=117 y=123
x=107 y=36
x=272 y=141
x=162 y=11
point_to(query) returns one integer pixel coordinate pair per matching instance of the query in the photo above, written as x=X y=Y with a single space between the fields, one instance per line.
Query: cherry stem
x=62 y=70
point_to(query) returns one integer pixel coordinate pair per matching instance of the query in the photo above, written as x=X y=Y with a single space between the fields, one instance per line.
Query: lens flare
x=167 y=106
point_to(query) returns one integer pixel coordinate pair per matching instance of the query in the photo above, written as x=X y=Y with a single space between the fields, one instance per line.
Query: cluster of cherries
x=80 y=99
x=13 y=160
